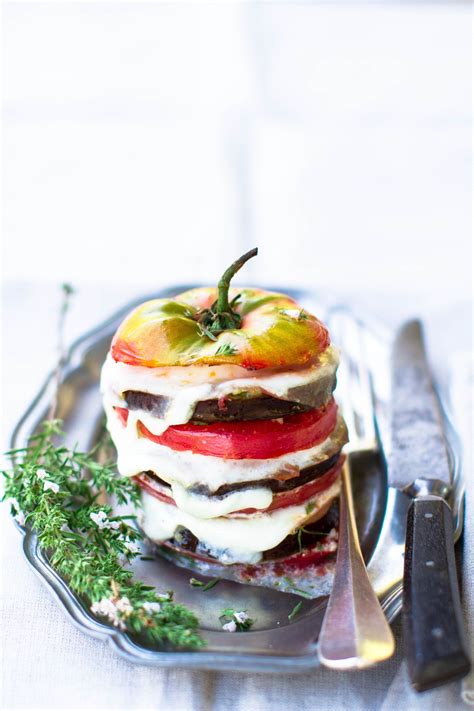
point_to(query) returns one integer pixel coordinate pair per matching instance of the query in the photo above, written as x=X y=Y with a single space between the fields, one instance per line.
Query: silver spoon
x=355 y=633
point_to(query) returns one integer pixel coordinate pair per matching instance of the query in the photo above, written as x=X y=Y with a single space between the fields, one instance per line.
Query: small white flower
x=101 y=520
x=131 y=546
x=19 y=516
x=123 y=605
x=164 y=597
x=230 y=626
x=41 y=473
x=109 y=609
x=151 y=607
x=241 y=617
x=50 y=485
x=105 y=607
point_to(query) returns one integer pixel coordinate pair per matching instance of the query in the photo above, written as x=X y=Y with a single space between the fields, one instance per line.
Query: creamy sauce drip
x=137 y=454
x=238 y=540
x=185 y=386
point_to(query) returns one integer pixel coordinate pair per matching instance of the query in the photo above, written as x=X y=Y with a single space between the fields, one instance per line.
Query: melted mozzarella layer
x=185 y=386
x=235 y=540
x=206 y=507
x=138 y=454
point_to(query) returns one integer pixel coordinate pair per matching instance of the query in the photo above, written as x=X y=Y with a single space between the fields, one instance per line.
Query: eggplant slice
x=276 y=485
x=238 y=408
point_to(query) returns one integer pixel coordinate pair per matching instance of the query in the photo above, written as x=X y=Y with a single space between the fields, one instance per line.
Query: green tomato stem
x=223 y=305
x=220 y=316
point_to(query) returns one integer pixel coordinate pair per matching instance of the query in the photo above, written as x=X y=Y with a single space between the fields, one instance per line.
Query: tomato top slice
x=254 y=439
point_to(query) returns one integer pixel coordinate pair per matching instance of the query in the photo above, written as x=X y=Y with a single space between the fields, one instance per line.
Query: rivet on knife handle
x=435 y=646
x=355 y=633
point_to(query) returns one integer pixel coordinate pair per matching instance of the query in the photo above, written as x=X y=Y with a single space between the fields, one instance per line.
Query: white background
x=151 y=143
x=147 y=144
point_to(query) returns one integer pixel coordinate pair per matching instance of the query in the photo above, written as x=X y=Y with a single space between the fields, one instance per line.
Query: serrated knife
x=435 y=644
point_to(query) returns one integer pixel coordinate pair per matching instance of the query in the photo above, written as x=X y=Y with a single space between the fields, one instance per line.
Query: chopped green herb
x=295 y=610
x=310 y=507
x=204 y=331
x=303 y=593
x=226 y=349
x=294 y=589
x=300 y=547
x=311 y=533
x=204 y=586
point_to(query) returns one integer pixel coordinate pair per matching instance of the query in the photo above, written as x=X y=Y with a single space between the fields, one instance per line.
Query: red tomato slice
x=255 y=439
x=279 y=566
x=300 y=561
x=144 y=484
x=122 y=414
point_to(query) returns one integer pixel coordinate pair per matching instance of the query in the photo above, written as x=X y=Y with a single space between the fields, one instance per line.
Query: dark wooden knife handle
x=435 y=644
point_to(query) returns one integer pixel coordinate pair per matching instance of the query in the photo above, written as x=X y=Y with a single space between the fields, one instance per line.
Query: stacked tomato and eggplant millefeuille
x=220 y=405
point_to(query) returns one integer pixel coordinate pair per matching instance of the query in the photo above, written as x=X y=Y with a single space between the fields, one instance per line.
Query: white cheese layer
x=234 y=540
x=206 y=507
x=139 y=454
x=185 y=386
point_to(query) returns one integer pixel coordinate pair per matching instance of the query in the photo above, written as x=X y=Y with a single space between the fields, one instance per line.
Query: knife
x=435 y=644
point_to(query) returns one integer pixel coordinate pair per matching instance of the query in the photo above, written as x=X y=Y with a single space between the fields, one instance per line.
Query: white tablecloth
x=47 y=663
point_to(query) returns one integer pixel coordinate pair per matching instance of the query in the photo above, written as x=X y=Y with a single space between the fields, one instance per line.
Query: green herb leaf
x=204 y=331
x=204 y=586
x=55 y=491
x=294 y=589
x=226 y=349
x=295 y=610
x=302 y=530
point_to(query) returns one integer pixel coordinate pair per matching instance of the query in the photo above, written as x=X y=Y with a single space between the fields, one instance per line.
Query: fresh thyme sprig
x=56 y=492
x=67 y=291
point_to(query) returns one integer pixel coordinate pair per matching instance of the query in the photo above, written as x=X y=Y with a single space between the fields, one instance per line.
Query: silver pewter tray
x=274 y=643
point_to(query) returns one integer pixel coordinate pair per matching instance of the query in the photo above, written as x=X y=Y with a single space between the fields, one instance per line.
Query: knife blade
x=435 y=644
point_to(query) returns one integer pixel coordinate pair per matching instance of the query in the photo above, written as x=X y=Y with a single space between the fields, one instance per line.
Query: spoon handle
x=355 y=633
